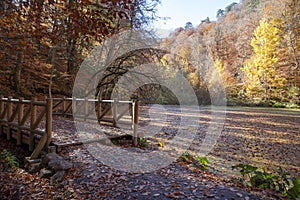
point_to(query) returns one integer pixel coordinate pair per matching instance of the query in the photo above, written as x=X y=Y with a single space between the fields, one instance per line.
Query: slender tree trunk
x=53 y=53
x=17 y=75
x=71 y=55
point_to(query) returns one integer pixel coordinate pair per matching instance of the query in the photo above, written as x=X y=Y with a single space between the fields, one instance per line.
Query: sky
x=182 y=11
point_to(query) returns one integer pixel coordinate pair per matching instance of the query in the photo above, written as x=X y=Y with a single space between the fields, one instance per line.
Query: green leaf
x=294 y=192
x=203 y=162
x=245 y=169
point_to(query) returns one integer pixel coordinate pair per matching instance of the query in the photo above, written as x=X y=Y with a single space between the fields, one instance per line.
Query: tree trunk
x=17 y=74
x=71 y=56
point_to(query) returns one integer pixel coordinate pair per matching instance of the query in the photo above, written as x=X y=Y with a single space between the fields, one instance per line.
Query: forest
x=252 y=48
x=44 y=42
x=236 y=138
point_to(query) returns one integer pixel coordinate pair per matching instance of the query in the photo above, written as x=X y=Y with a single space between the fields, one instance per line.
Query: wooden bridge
x=30 y=121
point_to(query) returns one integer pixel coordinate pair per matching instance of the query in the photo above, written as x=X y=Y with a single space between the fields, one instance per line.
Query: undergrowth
x=7 y=160
x=196 y=161
x=278 y=181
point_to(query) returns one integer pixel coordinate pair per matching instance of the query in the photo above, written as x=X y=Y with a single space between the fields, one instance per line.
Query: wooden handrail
x=26 y=110
x=14 y=113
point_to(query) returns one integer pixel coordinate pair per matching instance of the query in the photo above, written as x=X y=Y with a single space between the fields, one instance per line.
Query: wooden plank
x=74 y=107
x=32 y=122
x=20 y=116
x=14 y=113
x=115 y=112
x=48 y=122
x=39 y=119
x=107 y=120
x=39 y=103
x=135 y=121
x=122 y=114
x=78 y=105
x=104 y=113
x=99 y=108
x=9 y=113
x=68 y=108
x=86 y=108
x=63 y=105
x=4 y=111
x=46 y=137
x=39 y=147
x=57 y=104
x=26 y=116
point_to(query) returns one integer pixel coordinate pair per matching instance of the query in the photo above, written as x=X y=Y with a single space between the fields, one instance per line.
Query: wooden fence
x=30 y=121
x=27 y=121
x=107 y=111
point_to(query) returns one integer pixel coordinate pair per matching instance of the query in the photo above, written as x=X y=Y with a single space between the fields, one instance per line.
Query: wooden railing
x=30 y=121
x=27 y=121
x=108 y=111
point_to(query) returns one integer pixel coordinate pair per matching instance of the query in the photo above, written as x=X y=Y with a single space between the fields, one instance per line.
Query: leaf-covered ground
x=264 y=137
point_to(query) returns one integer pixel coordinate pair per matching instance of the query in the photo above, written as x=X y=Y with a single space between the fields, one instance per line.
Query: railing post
x=99 y=109
x=49 y=121
x=20 y=116
x=32 y=122
x=135 y=115
x=115 y=112
x=1 y=112
x=9 y=113
x=74 y=106
x=46 y=137
x=86 y=108
x=64 y=107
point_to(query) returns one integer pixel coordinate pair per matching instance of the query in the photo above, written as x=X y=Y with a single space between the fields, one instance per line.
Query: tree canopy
x=254 y=49
x=44 y=42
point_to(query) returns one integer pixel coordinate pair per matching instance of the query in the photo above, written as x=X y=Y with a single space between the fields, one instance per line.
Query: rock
x=57 y=177
x=45 y=173
x=34 y=167
x=46 y=158
x=56 y=163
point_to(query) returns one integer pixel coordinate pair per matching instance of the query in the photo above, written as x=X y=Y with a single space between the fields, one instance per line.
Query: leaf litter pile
x=264 y=137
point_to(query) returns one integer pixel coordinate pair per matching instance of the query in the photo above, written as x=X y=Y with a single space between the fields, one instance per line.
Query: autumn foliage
x=44 y=42
x=253 y=49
